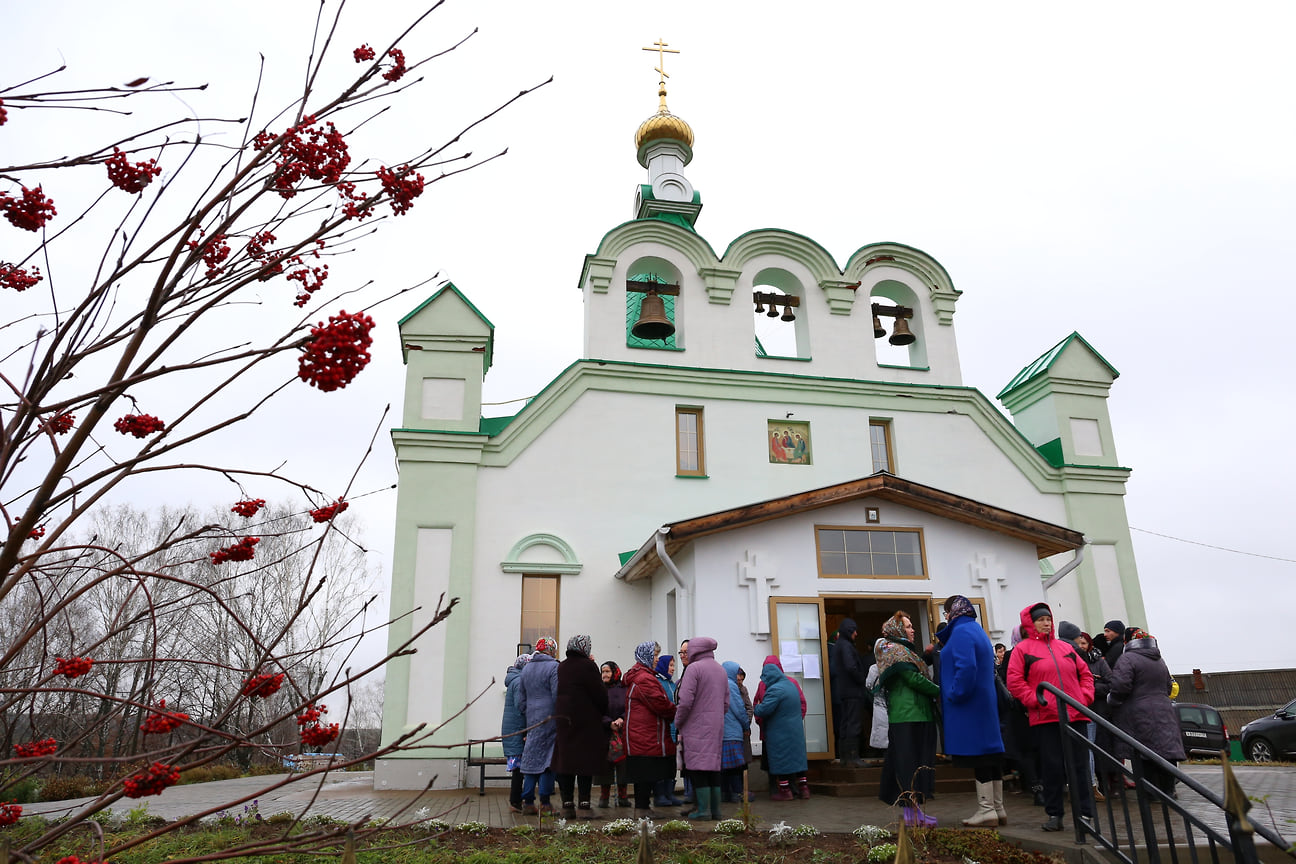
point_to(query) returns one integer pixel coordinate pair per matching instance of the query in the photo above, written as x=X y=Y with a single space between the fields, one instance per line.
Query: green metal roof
x=1041 y=364
x=494 y=425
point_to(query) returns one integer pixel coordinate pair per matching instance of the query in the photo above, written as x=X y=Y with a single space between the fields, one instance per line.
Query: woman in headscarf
x=511 y=726
x=664 y=790
x=969 y=707
x=650 y=752
x=614 y=722
x=760 y=722
x=535 y=699
x=908 y=772
x=780 y=711
x=581 y=746
x=733 y=763
x=699 y=717
x=1140 y=692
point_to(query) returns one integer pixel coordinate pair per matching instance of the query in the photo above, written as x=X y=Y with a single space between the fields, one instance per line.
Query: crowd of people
x=576 y=724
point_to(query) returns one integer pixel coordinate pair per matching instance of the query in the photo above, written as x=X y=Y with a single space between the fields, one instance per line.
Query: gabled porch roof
x=1049 y=539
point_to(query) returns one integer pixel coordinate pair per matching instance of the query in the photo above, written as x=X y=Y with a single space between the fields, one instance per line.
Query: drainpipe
x=1066 y=568
x=683 y=597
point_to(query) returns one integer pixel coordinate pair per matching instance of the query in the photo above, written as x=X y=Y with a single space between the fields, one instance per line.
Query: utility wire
x=1210 y=546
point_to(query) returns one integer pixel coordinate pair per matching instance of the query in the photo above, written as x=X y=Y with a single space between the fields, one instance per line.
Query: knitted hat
x=1040 y=610
x=1068 y=631
x=1115 y=625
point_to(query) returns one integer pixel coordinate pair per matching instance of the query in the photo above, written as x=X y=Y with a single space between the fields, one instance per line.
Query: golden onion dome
x=663 y=126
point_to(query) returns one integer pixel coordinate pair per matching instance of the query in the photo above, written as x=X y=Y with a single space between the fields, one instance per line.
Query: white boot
x=985 y=817
x=1000 y=812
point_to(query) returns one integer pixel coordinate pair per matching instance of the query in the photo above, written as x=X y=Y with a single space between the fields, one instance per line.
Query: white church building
x=756 y=443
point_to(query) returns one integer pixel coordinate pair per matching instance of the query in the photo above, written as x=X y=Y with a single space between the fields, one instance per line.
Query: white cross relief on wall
x=758 y=578
x=992 y=579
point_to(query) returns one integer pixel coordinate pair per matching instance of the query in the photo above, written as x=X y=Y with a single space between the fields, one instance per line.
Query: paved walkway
x=350 y=796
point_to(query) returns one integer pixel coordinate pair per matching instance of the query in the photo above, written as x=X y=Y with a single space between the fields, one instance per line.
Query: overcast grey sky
x=1124 y=170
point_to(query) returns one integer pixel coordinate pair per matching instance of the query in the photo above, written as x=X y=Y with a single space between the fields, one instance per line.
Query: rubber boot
x=703 y=796
x=985 y=816
x=850 y=755
x=568 y=810
x=585 y=811
x=605 y=793
x=910 y=816
x=783 y=793
x=715 y=803
x=997 y=791
x=623 y=798
x=803 y=789
x=925 y=820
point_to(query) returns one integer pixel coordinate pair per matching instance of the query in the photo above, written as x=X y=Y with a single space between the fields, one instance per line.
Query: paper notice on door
x=791 y=663
x=810 y=666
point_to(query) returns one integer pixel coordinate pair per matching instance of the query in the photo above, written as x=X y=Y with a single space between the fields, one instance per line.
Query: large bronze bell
x=901 y=334
x=653 y=323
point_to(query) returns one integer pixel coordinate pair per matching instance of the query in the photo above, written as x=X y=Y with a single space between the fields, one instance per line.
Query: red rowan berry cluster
x=36 y=533
x=398 y=70
x=324 y=514
x=247 y=509
x=139 y=425
x=72 y=667
x=363 y=53
x=337 y=351
x=214 y=253
x=355 y=206
x=127 y=177
x=59 y=424
x=264 y=685
x=314 y=733
x=256 y=246
x=311 y=279
x=4 y=115
x=401 y=187
x=30 y=212
x=162 y=721
x=151 y=782
x=240 y=551
x=306 y=150
x=33 y=749
x=17 y=278
x=10 y=813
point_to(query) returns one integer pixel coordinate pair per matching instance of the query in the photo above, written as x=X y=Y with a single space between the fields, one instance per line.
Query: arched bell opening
x=896 y=325
x=653 y=304
x=779 y=321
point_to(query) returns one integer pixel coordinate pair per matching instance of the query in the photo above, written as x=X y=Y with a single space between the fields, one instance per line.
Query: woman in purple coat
x=703 y=700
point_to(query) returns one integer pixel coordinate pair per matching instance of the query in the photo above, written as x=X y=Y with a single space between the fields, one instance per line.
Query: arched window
x=775 y=335
x=661 y=271
x=890 y=293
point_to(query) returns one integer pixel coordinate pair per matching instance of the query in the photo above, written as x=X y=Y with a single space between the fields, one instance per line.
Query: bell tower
x=665 y=145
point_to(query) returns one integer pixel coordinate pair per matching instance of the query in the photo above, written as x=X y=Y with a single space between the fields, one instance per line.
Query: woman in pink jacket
x=1042 y=658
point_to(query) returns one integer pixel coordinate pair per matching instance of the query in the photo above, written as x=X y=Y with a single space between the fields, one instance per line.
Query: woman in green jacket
x=908 y=772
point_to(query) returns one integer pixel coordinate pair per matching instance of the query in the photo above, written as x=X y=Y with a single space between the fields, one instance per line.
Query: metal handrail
x=1239 y=841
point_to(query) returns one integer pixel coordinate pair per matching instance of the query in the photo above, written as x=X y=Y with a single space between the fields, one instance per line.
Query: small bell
x=878 y=330
x=760 y=303
x=773 y=310
x=787 y=313
x=653 y=323
x=901 y=335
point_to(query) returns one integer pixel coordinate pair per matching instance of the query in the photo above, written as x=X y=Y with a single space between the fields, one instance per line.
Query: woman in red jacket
x=1042 y=658
x=650 y=752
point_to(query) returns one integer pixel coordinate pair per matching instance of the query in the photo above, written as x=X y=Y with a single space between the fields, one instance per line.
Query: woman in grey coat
x=535 y=699
x=1140 y=693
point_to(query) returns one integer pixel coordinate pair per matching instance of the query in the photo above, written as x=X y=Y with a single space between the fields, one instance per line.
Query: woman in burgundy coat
x=581 y=746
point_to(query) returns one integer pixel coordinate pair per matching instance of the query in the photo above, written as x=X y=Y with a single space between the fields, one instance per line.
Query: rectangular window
x=690 y=459
x=877 y=553
x=880 y=444
x=539 y=608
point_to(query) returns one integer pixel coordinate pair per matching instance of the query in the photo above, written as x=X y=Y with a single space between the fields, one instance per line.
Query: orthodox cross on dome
x=660 y=47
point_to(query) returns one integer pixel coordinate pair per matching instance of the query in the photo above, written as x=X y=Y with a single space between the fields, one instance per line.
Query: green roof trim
x=674 y=219
x=626 y=556
x=494 y=425
x=1045 y=361
x=1052 y=451
x=489 y=358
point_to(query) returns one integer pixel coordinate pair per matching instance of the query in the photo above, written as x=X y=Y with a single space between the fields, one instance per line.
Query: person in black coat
x=1140 y=692
x=581 y=744
x=1114 y=633
x=849 y=690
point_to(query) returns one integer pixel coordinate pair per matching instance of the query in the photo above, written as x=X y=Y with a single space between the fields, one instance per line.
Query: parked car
x=1272 y=737
x=1202 y=728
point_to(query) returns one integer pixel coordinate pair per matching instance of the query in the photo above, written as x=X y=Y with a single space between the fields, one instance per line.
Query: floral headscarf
x=546 y=645
x=894 y=651
x=580 y=644
x=644 y=653
x=616 y=672
x=958 y=606
x=522 y=660
x=1139 y=633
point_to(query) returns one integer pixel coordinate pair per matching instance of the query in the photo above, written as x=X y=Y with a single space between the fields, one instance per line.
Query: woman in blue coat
x=511 y=726
x=785 y=746
x=970 y=707
x=535 y=699
x=733 y=760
